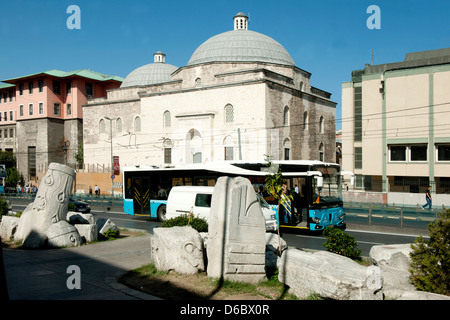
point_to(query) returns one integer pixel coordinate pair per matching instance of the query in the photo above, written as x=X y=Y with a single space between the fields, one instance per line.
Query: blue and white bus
x=316 y=188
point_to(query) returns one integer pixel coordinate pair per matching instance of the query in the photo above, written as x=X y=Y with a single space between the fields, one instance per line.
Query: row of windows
x=4 y=133
x=5 y=116
x=408 y=153
x=417 y=153
x=119 y=125
x=229 y=118
x=56 y=88
x=56 y=109
x=31 y=111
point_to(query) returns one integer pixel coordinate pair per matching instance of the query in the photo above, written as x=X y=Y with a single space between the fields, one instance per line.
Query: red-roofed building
x=42 y=115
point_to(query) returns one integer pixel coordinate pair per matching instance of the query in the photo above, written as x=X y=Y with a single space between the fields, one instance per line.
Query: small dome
x=241 y=45
x=152 y=73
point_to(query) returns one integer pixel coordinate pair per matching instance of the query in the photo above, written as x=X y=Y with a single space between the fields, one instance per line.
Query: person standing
x=428 y=198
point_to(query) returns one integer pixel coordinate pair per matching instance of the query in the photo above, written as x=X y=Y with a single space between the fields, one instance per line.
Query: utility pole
x=112 y=159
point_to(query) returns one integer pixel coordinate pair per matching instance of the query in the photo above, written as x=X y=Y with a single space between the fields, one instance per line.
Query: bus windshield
x=330 y=194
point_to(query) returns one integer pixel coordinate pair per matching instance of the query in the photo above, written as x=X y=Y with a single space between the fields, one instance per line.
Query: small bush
x=4 y=206
x=110 y=234
x=430 y=260
x=341 y=243
x=197 y=223
x=71 y=207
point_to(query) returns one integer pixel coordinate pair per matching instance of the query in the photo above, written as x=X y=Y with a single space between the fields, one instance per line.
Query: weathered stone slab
x=329 y=275
x=8 y=227
x=63 y=234
x=80 y=218
x=179 y=249
x=49 y=206
x=395 y=255
x=236 y=241
x=104 y=224
x=88 y=232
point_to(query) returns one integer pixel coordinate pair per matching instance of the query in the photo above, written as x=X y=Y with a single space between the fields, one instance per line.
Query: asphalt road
x=294 y=238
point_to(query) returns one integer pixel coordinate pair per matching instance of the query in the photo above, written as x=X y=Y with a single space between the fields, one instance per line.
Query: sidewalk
x=42 y=274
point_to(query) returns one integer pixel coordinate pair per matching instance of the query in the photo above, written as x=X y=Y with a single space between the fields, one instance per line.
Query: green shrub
x=110 y=234
x=430 y=260
x=197 y=223
x=71 y=207
x=341 y=243
x=4 y=206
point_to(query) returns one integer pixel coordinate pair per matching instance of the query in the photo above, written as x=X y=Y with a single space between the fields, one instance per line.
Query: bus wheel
x=162 y=213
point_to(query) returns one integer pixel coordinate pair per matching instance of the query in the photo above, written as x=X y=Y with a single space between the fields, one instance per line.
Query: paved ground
x=42 y=274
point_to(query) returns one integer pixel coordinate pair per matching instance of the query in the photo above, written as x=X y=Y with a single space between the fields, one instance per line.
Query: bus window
x=128 y=190
x=177 y=182
x=188 y=181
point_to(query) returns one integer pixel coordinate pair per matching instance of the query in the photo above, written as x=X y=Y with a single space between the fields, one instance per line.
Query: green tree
x=274 y=184
x=430 y=259
x=8 y=159
x=13 y=177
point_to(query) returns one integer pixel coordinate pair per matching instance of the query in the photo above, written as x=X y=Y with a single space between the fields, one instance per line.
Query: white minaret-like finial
x=240 y=21
x=159 y=57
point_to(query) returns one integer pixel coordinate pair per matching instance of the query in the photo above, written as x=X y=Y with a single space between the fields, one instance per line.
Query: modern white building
x=240 y=96
x=395 y=127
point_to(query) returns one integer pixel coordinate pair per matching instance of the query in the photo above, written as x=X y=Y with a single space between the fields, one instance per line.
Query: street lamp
x=112 y=159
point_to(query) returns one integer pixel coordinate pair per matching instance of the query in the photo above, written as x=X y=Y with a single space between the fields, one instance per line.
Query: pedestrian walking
x=428 y=198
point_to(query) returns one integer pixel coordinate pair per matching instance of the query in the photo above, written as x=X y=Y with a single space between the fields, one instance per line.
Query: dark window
x=418 y=153
x=56 y=87
x=358 y=157
x=32 y=161
x=443 y=153
x=89 y=90
x=358 y=113
x=398 y=153
x=41 y=85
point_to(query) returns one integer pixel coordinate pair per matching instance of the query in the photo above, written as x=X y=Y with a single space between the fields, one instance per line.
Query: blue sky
x=328 y=38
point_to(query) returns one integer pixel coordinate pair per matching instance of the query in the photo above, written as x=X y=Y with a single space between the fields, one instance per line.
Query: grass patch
x=174 y=286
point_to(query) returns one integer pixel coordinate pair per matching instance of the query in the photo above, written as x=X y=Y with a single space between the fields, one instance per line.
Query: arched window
x=119 y=125
x=229 y=113
x=167 y=120
x=301 y=85
x=137 y=124
x=286 y=116
x=228 y=146
x=193 y=146
x=198 y=82
x=305 y=120
x=101 y=126
x=287 y=149
x=321 y=124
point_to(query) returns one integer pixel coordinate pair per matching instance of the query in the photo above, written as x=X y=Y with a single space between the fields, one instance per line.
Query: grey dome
x=148 y=74
x=241 y=46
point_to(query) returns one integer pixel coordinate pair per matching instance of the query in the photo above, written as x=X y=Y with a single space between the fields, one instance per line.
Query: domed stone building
x=240 y=96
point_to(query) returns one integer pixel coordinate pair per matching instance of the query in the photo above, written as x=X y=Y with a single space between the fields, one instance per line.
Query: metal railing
x=394 y=215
